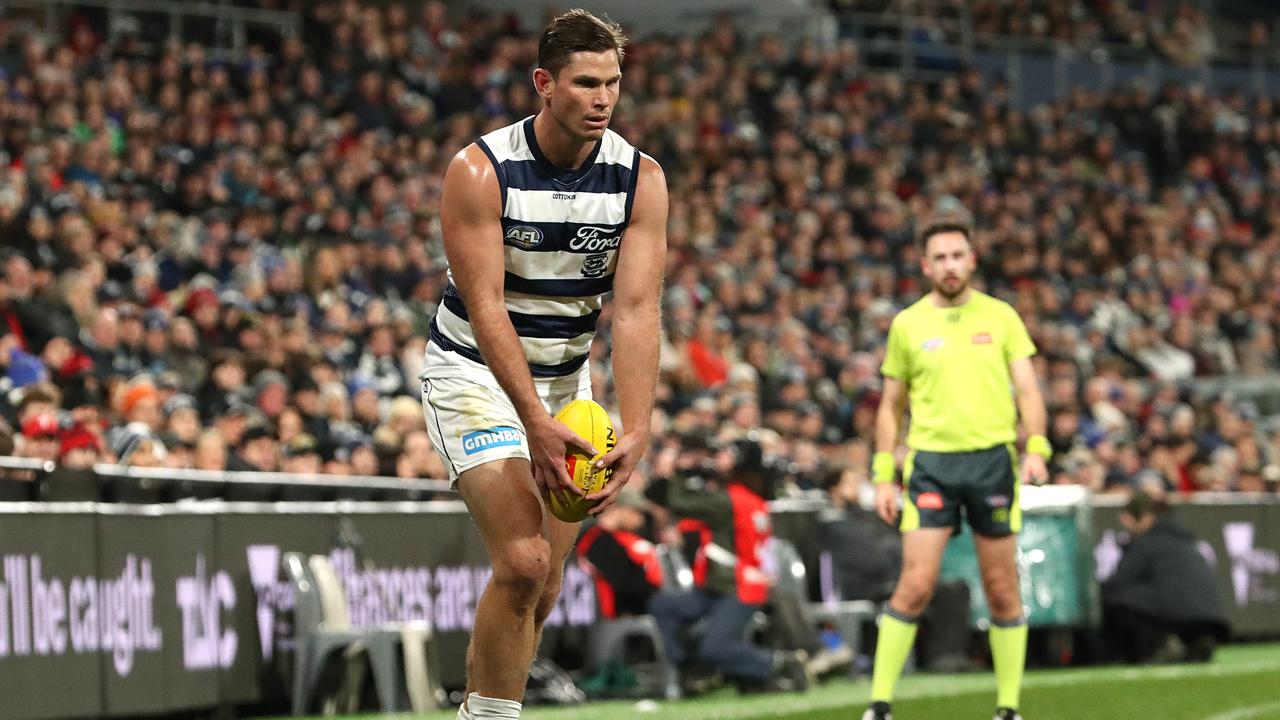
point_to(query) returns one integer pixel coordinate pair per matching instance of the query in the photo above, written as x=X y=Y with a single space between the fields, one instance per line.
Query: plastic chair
x=315 y=642
x=636 y=642
x=633 y=641
x=402 y=656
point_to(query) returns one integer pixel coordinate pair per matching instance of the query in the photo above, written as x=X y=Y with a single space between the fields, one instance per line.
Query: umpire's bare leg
x=527 y=548
x=922 y=551
x=997 y=559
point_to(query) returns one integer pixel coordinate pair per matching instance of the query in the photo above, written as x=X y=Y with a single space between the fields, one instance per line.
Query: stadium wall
x=130 y=610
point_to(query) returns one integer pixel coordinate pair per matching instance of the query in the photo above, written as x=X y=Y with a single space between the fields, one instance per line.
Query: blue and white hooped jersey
x=561 y=233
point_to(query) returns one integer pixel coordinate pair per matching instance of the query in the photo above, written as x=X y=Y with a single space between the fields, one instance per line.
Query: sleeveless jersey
x=561 y=231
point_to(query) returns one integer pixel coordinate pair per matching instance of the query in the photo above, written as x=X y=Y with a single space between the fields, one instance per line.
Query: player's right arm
x=470 y=218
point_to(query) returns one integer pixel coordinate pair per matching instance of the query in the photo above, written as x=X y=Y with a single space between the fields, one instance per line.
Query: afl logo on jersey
x=523 y=236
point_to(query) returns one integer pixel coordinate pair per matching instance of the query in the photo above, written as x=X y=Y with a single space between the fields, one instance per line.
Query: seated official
x=1162 y=604
x=866 y=556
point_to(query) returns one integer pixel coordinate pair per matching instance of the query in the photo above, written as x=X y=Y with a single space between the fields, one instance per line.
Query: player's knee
x=522 y=571
x=547 y=600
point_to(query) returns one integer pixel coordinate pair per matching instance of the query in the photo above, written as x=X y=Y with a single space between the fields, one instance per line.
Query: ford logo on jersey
x=481 y=440
x=523 y=236
x=595 y=239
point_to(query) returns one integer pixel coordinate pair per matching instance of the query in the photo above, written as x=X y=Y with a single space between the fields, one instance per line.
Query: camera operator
x=732 y=585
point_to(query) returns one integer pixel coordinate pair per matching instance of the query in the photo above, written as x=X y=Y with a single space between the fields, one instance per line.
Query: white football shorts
x=469 y=416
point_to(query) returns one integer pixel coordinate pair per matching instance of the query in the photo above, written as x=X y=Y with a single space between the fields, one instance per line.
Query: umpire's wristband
x=883 y=468
x=1039 y=445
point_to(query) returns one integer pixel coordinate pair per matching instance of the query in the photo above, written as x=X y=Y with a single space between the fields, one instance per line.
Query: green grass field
x=1243 y=683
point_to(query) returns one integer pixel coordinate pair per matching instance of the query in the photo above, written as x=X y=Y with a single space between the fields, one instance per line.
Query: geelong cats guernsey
x=561 y=231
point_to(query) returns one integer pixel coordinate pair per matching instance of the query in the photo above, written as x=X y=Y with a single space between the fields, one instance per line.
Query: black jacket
x=1163 y=574
x=866 y=554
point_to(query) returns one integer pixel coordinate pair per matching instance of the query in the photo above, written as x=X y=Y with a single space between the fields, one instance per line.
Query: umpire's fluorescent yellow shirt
x=955 y=363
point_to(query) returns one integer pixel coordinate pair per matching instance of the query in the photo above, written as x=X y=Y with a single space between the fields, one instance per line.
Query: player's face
x=948 y=262
x=583 y=94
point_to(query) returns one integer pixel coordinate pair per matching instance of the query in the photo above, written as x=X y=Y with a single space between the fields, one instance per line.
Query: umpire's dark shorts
x=982 y=482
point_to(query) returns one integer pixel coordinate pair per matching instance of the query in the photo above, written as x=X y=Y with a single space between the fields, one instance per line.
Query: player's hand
x=623 y=458
x=1034 y=471
x=549 y=442
x=887 y=503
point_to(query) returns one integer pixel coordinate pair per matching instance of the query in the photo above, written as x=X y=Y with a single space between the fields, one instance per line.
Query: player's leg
x=995 y=516
x=502 y=499
x=563 y=535
x=527 y=551
x=929 y=517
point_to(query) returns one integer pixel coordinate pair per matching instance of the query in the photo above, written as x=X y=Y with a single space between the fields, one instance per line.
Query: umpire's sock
x=1009 y=655
x=893 y=643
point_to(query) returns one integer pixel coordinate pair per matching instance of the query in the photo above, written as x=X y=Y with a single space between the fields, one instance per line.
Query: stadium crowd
x=233 y=265
x=1185 y=33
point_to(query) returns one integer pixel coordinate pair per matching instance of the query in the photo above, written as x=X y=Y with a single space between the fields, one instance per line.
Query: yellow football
x=592 y=423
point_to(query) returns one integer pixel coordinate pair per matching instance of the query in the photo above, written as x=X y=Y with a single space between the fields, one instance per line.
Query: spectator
x=258 y=450
x=301 y=456
x=79 y=449
x=40 y=437
x=418 y=459
x=182 y=418
x=211 y=452
x=140 y=403
x=134 y=445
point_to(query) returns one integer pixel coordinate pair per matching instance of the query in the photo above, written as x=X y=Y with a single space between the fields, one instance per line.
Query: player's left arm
x=1026 y=388
x=637 y=292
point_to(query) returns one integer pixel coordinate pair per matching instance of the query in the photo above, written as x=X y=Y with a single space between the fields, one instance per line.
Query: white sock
x=484 y=708
x=463 y=714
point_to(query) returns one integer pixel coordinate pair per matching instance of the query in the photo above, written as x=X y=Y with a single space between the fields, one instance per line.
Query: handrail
x=21 y=463
x=229 y=477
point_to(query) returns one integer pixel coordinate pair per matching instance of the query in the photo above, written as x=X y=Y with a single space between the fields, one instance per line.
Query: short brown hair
x=578 y=31
x=949 y=222
x=1141 y=504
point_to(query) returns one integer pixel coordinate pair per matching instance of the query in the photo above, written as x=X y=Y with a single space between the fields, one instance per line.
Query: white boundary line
x=1243 y=713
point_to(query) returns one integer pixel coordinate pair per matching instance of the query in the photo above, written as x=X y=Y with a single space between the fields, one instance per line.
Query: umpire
x=961 y=359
